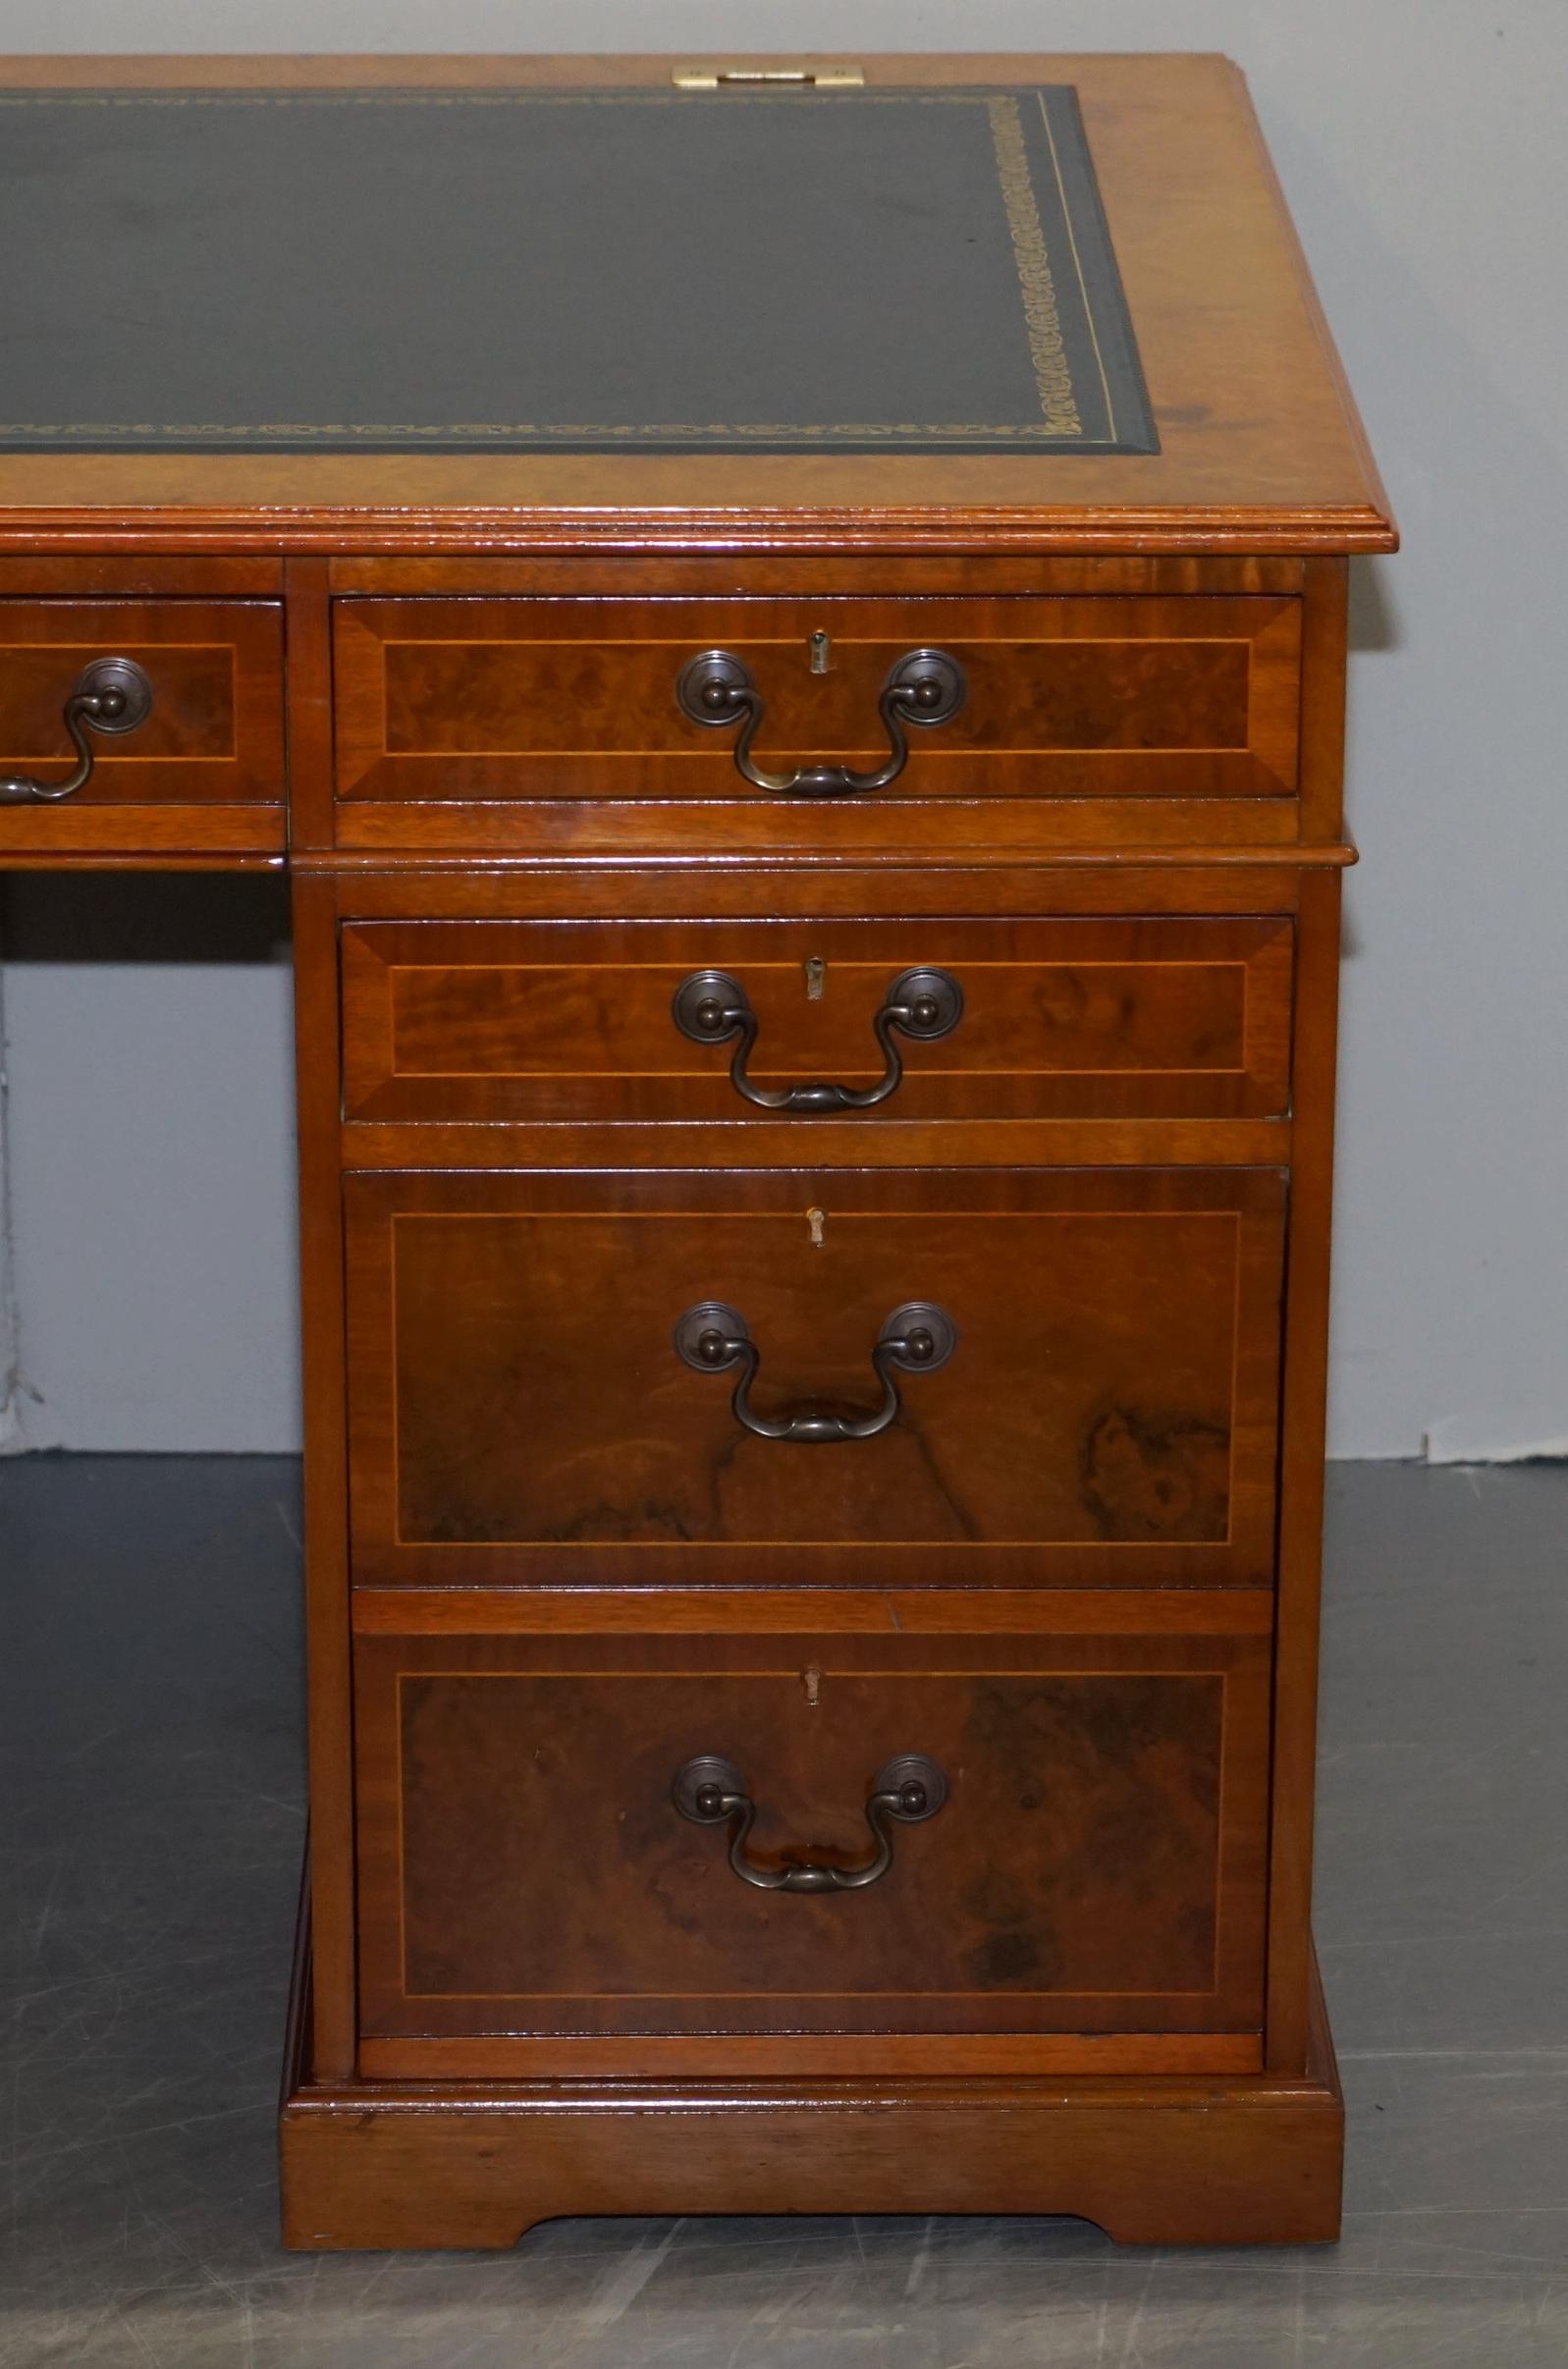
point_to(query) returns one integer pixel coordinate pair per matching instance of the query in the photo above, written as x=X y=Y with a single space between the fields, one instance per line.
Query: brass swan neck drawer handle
x=111 y=695
x=711 y=1008
x=916 y=1338
x=712 y=1792
x=926 y=687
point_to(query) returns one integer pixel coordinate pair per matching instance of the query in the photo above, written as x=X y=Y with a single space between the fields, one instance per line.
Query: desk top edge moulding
x=786 y=620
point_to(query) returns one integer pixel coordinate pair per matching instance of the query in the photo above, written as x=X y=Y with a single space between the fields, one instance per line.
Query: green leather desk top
x=520 y=271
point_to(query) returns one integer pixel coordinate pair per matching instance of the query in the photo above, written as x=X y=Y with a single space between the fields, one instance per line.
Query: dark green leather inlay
x=526 y=271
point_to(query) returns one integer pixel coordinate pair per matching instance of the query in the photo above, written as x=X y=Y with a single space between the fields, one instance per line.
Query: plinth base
x=1248 y=2159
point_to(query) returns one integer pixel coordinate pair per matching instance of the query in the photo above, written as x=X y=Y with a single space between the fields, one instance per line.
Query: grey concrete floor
x=150 y=1824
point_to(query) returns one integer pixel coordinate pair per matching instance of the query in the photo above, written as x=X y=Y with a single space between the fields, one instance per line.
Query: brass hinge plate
x=776 y=78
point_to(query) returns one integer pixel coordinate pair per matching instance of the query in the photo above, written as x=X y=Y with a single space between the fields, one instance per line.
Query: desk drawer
x=1084 y=1859
x=1117 y=702
x=544 y=1021
x=202 y=769
x=535 y=1399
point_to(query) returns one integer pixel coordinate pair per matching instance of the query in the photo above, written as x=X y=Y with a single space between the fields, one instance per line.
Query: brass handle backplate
x=916 y=1338
x=710 y=1791
x=111 y=695
x=711 y=1008
x=927 y=688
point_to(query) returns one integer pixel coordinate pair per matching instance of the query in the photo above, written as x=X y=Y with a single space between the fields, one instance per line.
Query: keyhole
x=821 y=649
x=817 y=1219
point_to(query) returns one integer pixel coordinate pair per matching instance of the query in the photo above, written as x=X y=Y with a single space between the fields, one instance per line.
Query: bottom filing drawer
x=533 y=1896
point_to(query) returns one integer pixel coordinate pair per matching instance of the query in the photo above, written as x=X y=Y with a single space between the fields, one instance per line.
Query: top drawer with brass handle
x=1100 y=720
x=140 y=726
x=867 y=1021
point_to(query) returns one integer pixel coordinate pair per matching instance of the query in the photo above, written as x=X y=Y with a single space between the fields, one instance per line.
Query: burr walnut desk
x=791 y=635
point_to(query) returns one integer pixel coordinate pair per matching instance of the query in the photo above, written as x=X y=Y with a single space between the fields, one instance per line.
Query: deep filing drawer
x=834 y=722
x=547 y=1021
x=1014 y=1377
x=1081 y=1854
x=202 y=767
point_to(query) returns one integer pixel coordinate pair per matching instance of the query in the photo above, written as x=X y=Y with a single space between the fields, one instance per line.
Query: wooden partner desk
x=791 y=639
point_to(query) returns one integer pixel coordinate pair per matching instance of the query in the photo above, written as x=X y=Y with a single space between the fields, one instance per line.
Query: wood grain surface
x=1097 y=1866
x=453 y=701
x=1075 y=1018
x=519 y=1412
x=204 y=772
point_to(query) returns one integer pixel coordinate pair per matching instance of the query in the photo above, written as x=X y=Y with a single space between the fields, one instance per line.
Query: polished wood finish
x=309 y=643
x=204 y=772
x=602 y=1611
x=1155 y=2159
x=1086 y=1018
x=327 y=1646
x=1301 y=1480
x=652 y=875
x=727 y=1144
x=519 y=1412
x=543 y=1562
x=473 y=700
x=1089 y=722
x=523 y=1871
x=59 y=575
x=1210 y=880
x=833 y=2055
x=214 y=731
x=688 y=574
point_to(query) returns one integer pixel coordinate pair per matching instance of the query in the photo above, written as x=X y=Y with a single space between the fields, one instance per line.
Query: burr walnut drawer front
x=844 y=721
x=1014 y=1850
x=999 y=1376
x=525 y=1020
x=129 y=724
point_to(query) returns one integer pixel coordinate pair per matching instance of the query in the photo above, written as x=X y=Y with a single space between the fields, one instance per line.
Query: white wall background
x=1422 y=144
